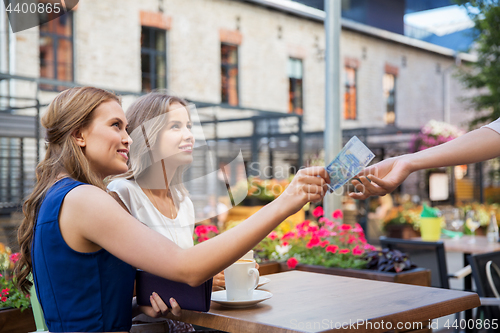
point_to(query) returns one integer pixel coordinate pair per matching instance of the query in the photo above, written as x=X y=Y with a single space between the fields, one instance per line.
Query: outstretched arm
x=476 y=146
x=99 y=219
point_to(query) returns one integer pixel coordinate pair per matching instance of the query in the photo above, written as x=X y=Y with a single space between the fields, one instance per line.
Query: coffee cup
x=241 y=280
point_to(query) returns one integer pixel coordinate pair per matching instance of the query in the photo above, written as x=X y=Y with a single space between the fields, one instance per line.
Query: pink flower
x=357 y=251
x=332 y=248
x=344 y=251
x=323 y=233
x=312 y=229
x=201 y=230
x=369 y=247
x=337 y=214
x=313 y=242
x=273 y=235
x=351 y=239
x=357 y=228
x=288 y=235
x=202 y=239
x=318 y=211
x=345 y=227
x=212 y=228
x=284 y=244
x=14 y=257
x=5 y=291
x=292 y=262
x=324 y=243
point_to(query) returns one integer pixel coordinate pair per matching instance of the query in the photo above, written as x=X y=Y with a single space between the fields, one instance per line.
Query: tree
x=484 y=75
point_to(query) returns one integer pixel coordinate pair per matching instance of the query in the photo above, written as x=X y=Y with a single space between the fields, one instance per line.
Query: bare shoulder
x=89 y=200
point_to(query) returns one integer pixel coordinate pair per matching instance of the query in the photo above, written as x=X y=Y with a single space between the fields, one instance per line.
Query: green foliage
x=484 y=75
x=10 y=295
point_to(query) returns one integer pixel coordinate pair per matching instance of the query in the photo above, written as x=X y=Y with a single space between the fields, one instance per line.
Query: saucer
x=263 y=281
x=258 y=296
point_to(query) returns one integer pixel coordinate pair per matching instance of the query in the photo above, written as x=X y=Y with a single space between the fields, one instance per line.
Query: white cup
x=241 y=280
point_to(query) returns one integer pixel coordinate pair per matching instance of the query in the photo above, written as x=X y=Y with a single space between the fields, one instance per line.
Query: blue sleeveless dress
x=78 y=292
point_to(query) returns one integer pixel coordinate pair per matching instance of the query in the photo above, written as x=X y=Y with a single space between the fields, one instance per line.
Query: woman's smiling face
x=175 y=141
x=105 y=141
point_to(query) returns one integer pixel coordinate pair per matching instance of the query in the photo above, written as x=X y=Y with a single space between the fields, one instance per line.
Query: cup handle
x=254 y=272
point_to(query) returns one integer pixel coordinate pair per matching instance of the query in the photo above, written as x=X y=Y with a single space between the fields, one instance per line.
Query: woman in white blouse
x=152 y=190
x=475 y=146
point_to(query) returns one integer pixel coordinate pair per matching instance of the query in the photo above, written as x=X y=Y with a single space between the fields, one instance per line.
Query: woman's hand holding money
x=382 y=178
x=308 y=185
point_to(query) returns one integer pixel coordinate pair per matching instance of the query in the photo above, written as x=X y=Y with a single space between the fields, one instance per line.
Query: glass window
x=295 y=91
x=153 y=58
x=350 y=93
x=389 y=86
x=56 y=48
x=229 y=74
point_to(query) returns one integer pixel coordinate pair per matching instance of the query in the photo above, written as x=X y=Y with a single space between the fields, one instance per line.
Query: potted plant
x=332 y=247
x=15 y=310
x=402 y=222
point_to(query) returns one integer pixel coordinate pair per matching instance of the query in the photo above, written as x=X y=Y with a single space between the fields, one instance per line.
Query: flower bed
x=10 y=296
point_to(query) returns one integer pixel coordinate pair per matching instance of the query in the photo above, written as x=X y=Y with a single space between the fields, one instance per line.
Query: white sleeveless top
x=179 y=230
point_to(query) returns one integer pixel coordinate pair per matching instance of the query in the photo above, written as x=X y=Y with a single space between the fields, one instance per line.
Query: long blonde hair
x=70 y=110
x=149 y=108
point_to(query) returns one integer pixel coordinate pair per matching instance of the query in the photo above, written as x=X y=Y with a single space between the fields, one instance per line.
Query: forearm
x=236 y=242
x=475 y=146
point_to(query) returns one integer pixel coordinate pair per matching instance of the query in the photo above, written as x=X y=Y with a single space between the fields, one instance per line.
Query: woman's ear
x=78 y=135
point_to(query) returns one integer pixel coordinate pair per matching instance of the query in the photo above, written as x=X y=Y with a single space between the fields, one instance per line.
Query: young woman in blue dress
x=83 y=248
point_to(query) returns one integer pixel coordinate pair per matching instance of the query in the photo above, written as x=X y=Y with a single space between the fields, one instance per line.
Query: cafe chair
x=37 y=311
x=430 y=255
x=486 y=275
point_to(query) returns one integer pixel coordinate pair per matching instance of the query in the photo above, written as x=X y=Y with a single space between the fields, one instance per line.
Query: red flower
x=14 y=257
x=273 y=235
x=345 y=227
x=313 y=242
x=324 y=243
x=202 y=239
x=4 y=299
x=312 y=228
x=212 y=228
x=344 y=251
x=332 y=248
x=323 y=232
x=292 y=262
x=285 y=244
x=318 y=211
x=338 y=214
x=288 y=235
x=5 y=291
x=357 y=251
x=201 y=230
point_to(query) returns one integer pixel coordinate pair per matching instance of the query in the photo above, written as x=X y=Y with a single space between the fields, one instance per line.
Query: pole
x=333 y=132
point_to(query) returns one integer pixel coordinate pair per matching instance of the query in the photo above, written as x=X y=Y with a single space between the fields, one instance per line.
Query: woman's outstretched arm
x=476 y=146
x=96 y=217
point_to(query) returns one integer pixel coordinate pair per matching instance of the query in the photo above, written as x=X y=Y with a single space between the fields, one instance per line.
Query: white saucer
x=258 y=296
x=263 y=281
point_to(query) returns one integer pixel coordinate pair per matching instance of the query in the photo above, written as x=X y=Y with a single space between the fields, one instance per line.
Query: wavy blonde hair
x=70 y=110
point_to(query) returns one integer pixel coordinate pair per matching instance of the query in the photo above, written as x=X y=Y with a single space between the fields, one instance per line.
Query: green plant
x=10 y=295
x=325 y=242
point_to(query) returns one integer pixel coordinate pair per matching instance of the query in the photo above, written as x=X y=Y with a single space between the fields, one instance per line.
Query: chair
x=430 y=255
x=37 y=311
x=482 y=265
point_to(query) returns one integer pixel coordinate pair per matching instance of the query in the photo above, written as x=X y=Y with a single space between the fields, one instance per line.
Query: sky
x=440 y=21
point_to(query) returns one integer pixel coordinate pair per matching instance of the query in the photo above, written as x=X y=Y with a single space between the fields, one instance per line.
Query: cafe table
x=313 y=302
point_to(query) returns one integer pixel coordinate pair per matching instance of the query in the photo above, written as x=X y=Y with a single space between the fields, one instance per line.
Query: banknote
x=351 y=160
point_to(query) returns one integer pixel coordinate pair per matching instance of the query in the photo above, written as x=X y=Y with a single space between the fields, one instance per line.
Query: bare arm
x=95 y=214
x=476 y=146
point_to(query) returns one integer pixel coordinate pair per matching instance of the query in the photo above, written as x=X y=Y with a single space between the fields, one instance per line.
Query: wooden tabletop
x=465 y=244
x=312 y=302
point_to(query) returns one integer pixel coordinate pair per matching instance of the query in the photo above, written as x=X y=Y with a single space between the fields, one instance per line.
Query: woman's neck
x=157 y=178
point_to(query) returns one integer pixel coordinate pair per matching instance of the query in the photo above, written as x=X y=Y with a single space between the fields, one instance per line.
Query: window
x=389 y=86
x=56 y=48
x=153 y=58
x=295 y=75
x=350 y=93
x=229 y=74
